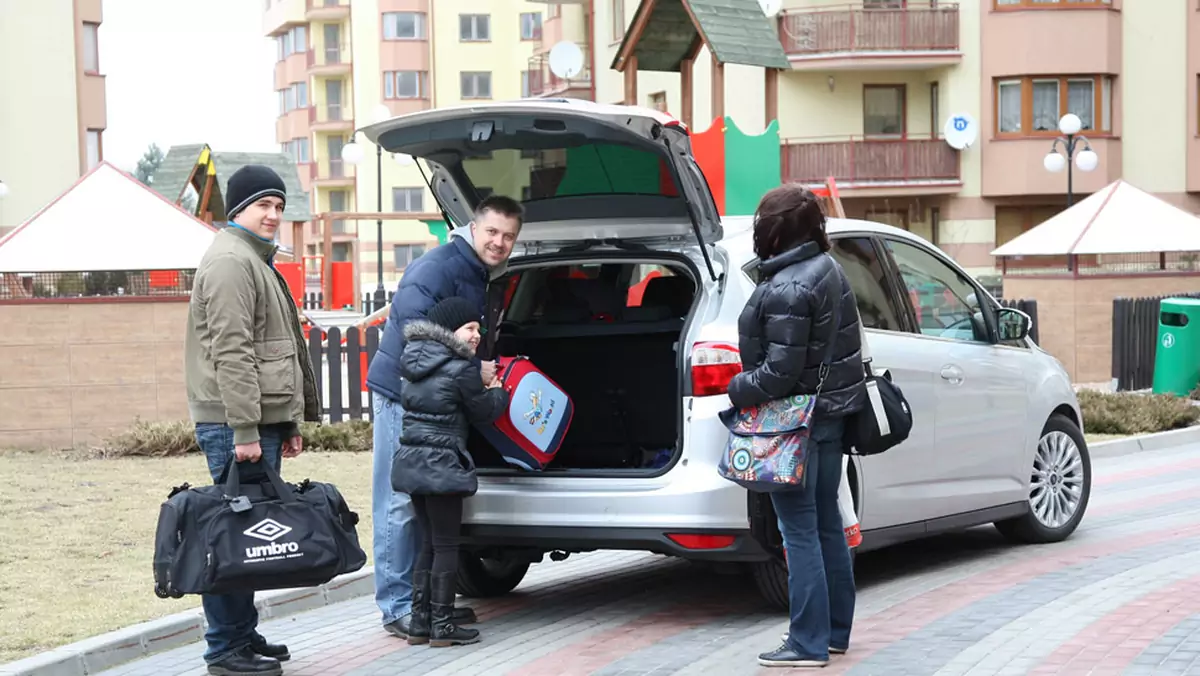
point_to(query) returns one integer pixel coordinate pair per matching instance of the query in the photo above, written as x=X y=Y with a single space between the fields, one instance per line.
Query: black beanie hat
x=453 y=313
x=252 y=182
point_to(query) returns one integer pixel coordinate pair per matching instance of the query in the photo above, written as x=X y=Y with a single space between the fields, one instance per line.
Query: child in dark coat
x=443 y=394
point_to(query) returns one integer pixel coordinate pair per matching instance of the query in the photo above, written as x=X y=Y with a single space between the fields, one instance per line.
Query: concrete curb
x=1146 y=442
x=95 y=654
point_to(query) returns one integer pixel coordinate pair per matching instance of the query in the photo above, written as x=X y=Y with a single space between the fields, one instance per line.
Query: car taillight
x=713 y=366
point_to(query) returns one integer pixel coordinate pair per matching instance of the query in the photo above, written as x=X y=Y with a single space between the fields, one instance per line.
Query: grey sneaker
x=832 y=650
x=786 y=657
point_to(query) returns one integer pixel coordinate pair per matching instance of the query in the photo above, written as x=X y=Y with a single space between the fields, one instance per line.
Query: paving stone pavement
x=1122 y=596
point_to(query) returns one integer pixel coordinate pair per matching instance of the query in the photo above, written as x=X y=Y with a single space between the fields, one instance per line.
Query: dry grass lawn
x=78 y=539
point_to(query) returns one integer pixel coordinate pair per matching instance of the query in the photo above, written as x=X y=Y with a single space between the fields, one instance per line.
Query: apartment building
x=341 y=61
x=56 y=133
x=872 y=84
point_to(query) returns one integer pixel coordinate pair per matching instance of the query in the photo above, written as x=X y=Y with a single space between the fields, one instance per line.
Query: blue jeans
x=233 y=618
x=820 y=575
x=395 y=530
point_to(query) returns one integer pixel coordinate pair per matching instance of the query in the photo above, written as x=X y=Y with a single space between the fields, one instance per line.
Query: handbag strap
x=823 y=372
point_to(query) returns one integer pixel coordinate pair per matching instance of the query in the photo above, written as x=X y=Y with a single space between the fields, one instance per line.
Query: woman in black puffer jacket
x=443 y=393
x=785 y=333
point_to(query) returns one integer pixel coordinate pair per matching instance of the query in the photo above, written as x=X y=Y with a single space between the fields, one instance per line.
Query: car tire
x=1061 y=460
x=772 y=580
x=484 y=578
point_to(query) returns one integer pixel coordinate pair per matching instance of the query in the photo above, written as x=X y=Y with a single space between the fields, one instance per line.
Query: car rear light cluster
x=713 y=366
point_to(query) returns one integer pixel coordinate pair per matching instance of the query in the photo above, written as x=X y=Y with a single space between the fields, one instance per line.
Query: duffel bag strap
x=233 y=484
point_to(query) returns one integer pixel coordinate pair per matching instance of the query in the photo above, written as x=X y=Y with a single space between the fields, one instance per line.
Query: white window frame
x=481 y=28
x=1014 y=85
x=474 y=78
x=91 y=48
x=391 y=26
x=531 y=25
x=408 y=258
x=408 y=199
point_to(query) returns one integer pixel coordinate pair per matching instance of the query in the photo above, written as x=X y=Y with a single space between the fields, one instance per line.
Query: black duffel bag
x=254 y=536
x=886 y=419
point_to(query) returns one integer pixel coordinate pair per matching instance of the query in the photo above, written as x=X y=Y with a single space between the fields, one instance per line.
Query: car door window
x=868 y=280
x=943 y=299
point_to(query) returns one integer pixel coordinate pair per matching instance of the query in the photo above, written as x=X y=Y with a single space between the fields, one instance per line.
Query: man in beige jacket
x=249 y=384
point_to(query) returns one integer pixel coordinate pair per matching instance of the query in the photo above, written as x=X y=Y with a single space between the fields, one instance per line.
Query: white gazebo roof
x=1117 y=219
x=107 y=221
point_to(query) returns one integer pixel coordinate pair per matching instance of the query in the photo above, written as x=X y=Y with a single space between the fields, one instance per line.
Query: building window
x=658 y=101
x=531 y=26
x=406 y=84
x=403 y=26
x=934 y=109
x=403 y=254
x=91 y=47
x=526 y=84
x=476 y=85
x=617 y=7
x=884 y=110
x=301 y=94
x=474 y=27
x=408 y=200
x=95 y=147
x=298 y=150
x=1050 y=4
x=295 y=41
x=289 y=99
x=341 y=251
x=1032 y=106
x=554 y=11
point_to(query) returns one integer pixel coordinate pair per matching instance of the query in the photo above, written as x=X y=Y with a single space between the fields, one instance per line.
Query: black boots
x=444 y=630
x=417 y=627
x=246 y=662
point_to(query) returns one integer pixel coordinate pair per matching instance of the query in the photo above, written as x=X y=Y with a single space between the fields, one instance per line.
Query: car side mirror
x=1013 y=324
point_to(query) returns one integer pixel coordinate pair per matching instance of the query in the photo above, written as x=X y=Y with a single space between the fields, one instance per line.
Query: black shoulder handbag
x=886 y=419
x=235 y=537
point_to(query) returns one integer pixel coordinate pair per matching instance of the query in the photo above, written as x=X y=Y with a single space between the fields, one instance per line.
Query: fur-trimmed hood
x=428 y=346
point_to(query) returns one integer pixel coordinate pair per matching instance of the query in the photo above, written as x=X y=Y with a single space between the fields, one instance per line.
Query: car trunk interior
x=608 y=334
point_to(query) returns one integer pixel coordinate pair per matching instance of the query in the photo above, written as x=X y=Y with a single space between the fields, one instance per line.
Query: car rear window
x=586 y=170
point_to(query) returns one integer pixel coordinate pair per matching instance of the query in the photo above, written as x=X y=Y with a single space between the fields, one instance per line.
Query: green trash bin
x=1177 y=359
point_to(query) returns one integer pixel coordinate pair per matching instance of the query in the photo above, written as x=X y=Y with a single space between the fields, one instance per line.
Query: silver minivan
x=625 y=287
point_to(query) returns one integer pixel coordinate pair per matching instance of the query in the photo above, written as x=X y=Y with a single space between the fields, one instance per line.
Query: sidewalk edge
x=93 y=655
x=1145 y=442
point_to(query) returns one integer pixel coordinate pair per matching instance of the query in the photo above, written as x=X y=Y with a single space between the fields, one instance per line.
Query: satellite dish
x=960 y=131
x=566 y=59
x=771 y=7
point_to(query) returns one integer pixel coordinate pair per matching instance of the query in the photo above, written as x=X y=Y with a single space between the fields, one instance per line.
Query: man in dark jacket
x=461 y=267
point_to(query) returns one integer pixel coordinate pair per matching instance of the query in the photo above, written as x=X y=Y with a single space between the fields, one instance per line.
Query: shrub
x=1126 y=413
x=178 y=437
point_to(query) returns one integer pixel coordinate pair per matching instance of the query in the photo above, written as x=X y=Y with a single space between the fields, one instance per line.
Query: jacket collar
x=263 y=247
x=422 y=329
x=778 y=262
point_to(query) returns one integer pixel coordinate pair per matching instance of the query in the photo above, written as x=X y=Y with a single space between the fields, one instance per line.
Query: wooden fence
x=1135 y=340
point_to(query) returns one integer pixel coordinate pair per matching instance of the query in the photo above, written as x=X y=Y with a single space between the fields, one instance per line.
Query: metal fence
x=96 y=284
x=1135 y=340
x=370 y=303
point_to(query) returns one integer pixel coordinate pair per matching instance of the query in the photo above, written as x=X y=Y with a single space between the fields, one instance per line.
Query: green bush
x=178 y=437
x=1126 y=413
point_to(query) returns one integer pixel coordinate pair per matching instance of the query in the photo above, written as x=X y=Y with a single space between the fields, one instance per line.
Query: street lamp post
x=1086 y=159
x=352 y=153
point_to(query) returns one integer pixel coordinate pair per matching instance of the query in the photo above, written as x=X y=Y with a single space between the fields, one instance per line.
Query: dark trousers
x=232 y=618
x=820 y=575
x=439 y=518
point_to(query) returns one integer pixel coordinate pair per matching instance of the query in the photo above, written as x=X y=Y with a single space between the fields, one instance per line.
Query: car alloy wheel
x=1056 y=489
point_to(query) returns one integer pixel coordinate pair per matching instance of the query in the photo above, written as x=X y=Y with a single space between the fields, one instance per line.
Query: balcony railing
x=543 y=82
x=871 y=28
x=869 y=160
x=336 y=55
x=331 y=113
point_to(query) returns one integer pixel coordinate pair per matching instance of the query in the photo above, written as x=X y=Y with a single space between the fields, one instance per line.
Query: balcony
x=332 y=173
x=874 y=166
x=543 y=83
x=331 y=117
x=330 y=60
x=327 y=10
x=918 y=36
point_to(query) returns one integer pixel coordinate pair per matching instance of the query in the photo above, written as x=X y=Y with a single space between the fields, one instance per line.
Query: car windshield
x=591 y=169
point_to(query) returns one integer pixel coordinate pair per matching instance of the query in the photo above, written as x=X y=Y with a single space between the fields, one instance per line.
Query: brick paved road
x=1122 y=596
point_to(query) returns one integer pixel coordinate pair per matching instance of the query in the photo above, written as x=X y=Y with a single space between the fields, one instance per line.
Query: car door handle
x=953 y=374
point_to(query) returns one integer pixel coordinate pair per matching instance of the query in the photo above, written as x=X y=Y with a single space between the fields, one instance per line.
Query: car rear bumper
x=566 y=539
